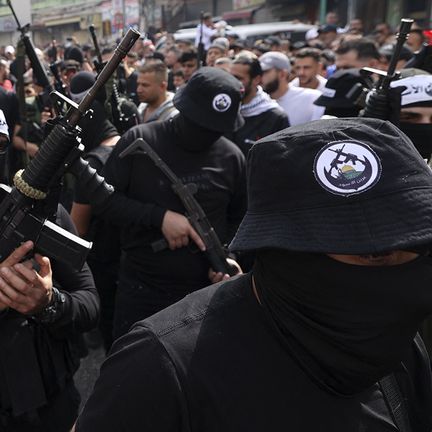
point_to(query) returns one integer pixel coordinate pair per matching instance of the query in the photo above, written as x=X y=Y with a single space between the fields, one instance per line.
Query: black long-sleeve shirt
x=144 y=193
x=37 y=359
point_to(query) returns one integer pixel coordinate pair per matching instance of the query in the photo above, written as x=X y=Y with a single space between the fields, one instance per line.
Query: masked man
x=321 y=335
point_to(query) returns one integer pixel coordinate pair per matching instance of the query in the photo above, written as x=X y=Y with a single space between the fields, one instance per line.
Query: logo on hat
x=347 y=167
x=221 y=102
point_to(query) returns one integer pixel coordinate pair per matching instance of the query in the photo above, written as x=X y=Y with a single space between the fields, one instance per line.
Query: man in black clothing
x=42 y=317
x=262 y=115
x=147 y=208
x=339 y=214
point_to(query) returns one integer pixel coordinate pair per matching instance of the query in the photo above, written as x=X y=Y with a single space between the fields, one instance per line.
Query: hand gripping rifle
x=214 y=250
x=378 y=103
x=23 y=214
x=121 y=120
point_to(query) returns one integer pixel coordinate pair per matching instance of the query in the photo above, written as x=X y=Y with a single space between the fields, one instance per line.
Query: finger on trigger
x=197 y=239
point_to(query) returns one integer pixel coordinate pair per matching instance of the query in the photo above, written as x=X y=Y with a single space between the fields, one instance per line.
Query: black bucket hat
x=211 y=99
x=343 y=186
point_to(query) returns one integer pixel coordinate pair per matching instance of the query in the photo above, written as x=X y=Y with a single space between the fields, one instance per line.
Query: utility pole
x=352 y=10
x=323 y=11
x=124 y=16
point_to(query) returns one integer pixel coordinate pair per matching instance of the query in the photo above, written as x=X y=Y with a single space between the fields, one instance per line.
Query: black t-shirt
x=218 y=172
x=212 y=362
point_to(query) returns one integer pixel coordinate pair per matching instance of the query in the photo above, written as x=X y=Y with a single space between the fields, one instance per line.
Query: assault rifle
x=377 y=101
x=214 y=250
x=23 y=210
x=38 y=70
x=122 y=119
x=201 y=49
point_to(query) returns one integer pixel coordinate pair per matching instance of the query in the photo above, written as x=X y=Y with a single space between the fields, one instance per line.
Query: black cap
x=211 y=98
x=334 y=94
x=74 y=53
x=343 y=186
x=82 y=81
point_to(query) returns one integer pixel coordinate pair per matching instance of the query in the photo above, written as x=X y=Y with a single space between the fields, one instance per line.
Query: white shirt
x=207 y=33
x=321 y=82
x=298 y=103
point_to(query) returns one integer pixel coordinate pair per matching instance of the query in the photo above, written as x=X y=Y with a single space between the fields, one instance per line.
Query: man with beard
x=321 y=335
x=262 y=115
x=297 y=102
x=148 y=210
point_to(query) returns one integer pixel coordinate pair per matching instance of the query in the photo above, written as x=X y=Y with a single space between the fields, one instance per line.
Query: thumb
x=45 y=265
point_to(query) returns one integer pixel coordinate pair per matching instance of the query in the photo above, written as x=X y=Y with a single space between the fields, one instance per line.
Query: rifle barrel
x=125 y=45
x=402 y=36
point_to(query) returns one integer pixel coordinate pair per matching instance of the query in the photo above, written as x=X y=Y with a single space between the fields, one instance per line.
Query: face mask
x=420 y=135
x=347 y=326
x=193 y=137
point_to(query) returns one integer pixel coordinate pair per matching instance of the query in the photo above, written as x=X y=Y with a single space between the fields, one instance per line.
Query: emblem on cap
x=347 y=167
x=221 y=102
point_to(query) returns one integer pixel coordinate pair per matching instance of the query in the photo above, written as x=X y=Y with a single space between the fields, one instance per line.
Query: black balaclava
x=342 y=112
x=193 y=137
x=96 y=128
x=420 y=135
x=347 y=326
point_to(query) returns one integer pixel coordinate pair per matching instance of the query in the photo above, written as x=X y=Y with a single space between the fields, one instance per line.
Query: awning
x=61 y=21
x=240 y=14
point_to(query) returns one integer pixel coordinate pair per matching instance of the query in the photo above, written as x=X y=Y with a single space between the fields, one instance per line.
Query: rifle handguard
x=40 y=172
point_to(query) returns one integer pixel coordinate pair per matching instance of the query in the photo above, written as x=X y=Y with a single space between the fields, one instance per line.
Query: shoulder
x=187 y=316
x=311 y=93
x=277 y=113
x=229 y=148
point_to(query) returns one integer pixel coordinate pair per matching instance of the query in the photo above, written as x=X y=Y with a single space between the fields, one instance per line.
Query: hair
x=365 y=48
x=188 y=56
x=249 y=59
x=313 y=53
x=178 y=73
x=387 y=25
x=158 y=68
x=107 y=50
x=223 y=60
x=207 y=15
x=175 y=50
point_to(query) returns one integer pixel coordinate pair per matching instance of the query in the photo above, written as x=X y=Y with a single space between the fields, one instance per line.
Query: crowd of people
x=327 y=214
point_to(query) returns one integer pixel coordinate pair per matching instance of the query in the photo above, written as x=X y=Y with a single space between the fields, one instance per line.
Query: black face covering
x=97 y=128
x=420 y=135
x=193 y=137
x=347 y=326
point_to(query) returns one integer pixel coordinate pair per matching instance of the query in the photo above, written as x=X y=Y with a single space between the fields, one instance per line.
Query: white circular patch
x=347 y=167
x=221 y=102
